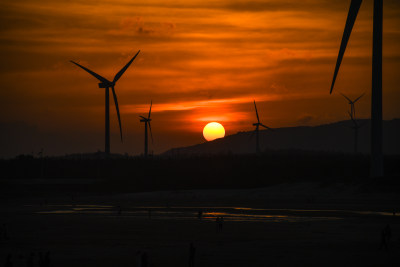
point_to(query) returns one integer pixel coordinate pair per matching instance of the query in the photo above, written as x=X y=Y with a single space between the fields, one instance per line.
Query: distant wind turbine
x=147 y=122
x=258 y=124
x=351 y=103
x=104 y=83
x=352 y=114
x=376 y=97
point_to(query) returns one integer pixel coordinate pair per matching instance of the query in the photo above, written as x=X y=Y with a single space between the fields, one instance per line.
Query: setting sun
x=213 y=130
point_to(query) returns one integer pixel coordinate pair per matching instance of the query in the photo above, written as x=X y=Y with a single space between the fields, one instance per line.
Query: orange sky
x=200 y=61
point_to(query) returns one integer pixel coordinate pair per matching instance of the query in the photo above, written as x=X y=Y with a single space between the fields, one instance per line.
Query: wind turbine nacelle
x=106 y=84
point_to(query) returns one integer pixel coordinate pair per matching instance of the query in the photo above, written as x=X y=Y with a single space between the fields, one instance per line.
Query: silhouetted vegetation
x=132 y=174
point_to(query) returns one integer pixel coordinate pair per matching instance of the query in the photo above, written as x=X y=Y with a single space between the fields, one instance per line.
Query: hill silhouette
x=334 y=137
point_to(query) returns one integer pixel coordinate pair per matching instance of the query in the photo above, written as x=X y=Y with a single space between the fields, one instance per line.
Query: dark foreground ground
x=289 y=225
x=279 y=209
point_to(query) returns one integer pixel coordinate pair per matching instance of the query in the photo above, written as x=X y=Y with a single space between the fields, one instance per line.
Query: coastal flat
x=109 y=230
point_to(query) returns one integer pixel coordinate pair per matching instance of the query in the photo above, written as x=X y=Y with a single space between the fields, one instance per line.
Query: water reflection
x=209 y=213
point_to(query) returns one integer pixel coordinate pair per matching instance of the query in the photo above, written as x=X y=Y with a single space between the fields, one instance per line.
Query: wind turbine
x=258 y=124
x=351 y=103
x=147 y=122
x=104 y=83
x=352 y=114
x=376 y=97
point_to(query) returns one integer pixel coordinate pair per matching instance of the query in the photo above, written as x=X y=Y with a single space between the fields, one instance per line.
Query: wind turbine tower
x=258 y=124
x=147 y=122
x=376 y=96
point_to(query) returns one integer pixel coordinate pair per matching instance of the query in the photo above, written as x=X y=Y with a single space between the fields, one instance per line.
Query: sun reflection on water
x=209 y=213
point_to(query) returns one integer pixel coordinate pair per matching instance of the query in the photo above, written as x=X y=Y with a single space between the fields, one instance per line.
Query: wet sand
x=89 y=231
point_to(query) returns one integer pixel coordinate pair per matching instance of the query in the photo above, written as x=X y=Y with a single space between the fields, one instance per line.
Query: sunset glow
x=213 y=130
x=200 y=61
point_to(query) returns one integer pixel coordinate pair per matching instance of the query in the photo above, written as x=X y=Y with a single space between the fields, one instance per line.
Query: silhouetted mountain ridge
x=333 y=137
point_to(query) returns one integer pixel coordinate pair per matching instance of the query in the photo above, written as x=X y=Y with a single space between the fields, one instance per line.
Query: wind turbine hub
x=106 y=84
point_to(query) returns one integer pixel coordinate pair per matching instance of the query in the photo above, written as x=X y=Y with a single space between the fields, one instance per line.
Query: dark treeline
x=131 y=174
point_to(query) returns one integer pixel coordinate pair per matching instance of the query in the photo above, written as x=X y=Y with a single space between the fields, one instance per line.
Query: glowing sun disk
x=213 y=130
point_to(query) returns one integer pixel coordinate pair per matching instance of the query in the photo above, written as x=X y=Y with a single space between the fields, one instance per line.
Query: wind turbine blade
x=151 y=134
x=346 y=97
x=358 y=98
x=151 y=103
x=116 y=106
x=267 y=127
x=258 y=119
x=351 y=18
x=119 y=74
x=143 y=117
x=97 y=76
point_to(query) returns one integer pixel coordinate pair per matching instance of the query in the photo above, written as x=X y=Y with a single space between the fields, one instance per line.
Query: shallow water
x=209 y=213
